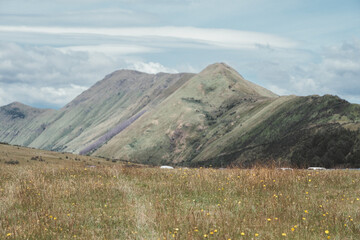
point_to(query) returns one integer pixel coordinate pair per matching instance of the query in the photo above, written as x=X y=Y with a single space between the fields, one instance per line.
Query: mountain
x=116 y=98
x=21 y=123
x=214 y=118
x=177 y=127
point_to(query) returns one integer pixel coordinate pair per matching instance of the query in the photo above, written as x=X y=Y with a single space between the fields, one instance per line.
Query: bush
x=12 y=162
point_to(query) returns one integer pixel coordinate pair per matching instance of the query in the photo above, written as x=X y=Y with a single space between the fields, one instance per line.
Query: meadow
x=71 y=199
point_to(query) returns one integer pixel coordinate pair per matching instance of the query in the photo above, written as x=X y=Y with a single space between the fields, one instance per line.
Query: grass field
x=67 y=199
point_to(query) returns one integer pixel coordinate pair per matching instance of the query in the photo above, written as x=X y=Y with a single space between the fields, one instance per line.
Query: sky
x=51 y=51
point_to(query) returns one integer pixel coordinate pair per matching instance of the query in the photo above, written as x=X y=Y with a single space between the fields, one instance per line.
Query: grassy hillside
x=171 y=132
x=217 y=118
x=22 y=156
x=292 y=133
x=65 y=199
x=214 y=118
x=20 y=124
x=109 y=102
x=89 y=116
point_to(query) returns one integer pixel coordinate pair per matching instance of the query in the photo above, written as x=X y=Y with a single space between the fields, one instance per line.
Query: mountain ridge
x=214 y=117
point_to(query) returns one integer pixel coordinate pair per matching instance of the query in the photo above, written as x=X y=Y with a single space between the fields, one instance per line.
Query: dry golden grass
x=32 y=156
x=72 y=201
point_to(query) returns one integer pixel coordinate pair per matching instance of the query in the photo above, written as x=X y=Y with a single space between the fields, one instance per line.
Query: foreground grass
x=120 y=202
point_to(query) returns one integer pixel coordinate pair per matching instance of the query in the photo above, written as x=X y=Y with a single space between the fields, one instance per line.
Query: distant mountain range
x=213 y=118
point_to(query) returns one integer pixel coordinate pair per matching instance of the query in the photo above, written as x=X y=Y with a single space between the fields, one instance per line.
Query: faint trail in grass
x=144 y=213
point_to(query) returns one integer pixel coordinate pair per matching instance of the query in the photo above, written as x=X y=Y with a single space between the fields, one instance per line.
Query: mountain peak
x=237 y=83
x=221 y=64
x=221 y=68
x=19 y=105
x=218 y=65
x=24 y=107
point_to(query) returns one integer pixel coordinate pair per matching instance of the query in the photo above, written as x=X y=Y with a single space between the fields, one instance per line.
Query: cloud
x=39 y=96
x=278 y=90
x=122 y=49
x=216 y=37
x=47 y=65
x=340 y=68
x=337 y=72
x=52 y=77
x=150 y=67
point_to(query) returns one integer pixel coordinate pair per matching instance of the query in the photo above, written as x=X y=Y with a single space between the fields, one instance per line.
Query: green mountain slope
x=214 y=118
x=19 y=123
x=173 y=129
x=217 y=118
x=90 y=115
x=300 y=131
x=112 y=100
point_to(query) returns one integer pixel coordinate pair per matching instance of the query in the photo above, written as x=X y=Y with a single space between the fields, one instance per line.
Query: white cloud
x=47 y=65
x=150 y=67
x=278 y=90
x=39 y=96
x=3 y=98
x=46 y=76
x=109 y=49
x=304 y=85
x=337 y=73
x=217 y=37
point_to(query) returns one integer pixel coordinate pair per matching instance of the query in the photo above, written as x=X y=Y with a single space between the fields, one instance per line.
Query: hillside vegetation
x=68 y=199
x=215 y=117
x=16 y=155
